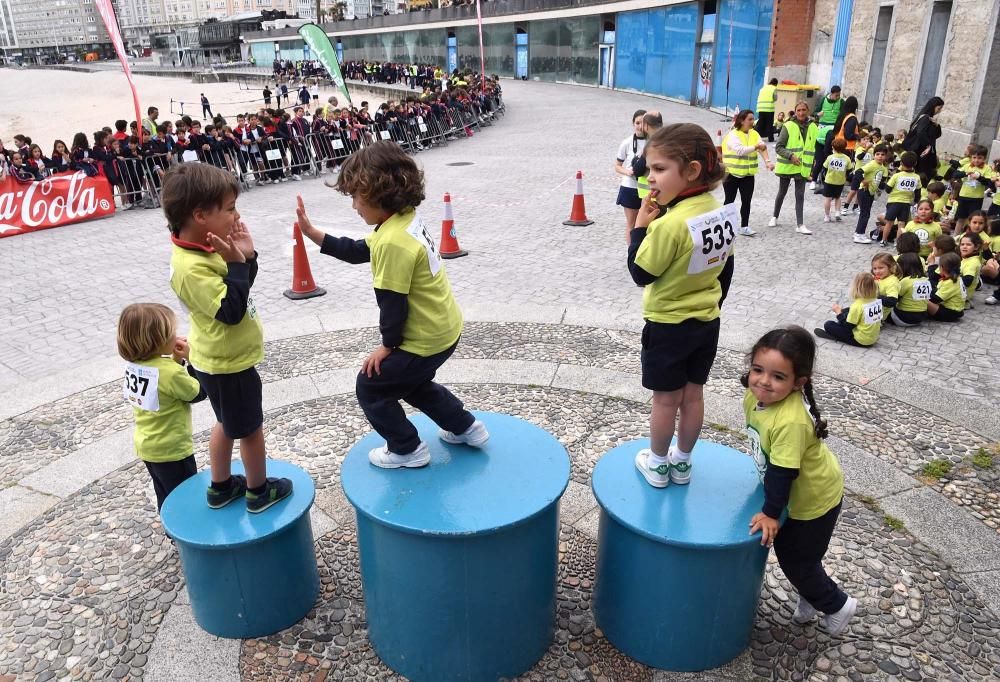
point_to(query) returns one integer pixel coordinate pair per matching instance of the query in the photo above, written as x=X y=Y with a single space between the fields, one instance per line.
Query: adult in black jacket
x=922 y=137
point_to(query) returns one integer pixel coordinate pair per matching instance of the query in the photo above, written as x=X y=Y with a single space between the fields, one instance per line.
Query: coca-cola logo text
x=57 y=200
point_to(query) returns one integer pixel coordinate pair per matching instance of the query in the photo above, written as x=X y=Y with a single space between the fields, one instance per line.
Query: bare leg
x=692 y=415
x=661 y=420
x=826 y=206
x=220 y=454
x=252 y=452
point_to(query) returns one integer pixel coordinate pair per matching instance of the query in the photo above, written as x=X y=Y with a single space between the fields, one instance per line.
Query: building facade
x=49 y=31
x=8 y=33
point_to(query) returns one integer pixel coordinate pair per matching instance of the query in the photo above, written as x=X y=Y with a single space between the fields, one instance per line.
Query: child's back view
x=213 y=266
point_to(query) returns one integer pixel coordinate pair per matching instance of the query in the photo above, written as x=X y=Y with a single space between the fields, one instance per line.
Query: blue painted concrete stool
x=248 y=575
x=459 y=558
x=678 y=575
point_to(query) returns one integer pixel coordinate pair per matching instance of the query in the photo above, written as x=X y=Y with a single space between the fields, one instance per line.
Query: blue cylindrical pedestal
x=248 y=575
x=678 y=575
x=459 y=558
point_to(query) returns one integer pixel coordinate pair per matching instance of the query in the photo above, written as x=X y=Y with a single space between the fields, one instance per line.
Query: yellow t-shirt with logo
x=873 y=173
x=902 y=187
x=973 y=189
x=784 y=434
x=888 y=287
x=972 y=266
x=216 y=347
x=866 y=315
x=926 y=233
x=837 y=167
x=952 y=294
x=687 y=285
x=164 y=435
x=405 y=259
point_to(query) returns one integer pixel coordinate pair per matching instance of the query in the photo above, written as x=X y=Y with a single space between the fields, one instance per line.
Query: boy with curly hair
x=419 y=320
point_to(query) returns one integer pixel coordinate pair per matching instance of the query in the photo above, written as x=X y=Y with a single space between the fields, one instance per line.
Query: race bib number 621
x=712 y=234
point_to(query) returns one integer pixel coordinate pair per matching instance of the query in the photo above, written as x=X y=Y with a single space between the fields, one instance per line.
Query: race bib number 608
x=712 y=234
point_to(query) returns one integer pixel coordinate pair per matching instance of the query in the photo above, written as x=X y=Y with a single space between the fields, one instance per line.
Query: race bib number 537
x=141 y=387
x=712 y=234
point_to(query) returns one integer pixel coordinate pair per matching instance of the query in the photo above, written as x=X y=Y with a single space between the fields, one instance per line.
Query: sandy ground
x=66 y=102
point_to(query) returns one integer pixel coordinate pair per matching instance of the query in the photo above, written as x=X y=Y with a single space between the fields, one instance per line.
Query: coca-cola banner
x=61 y=199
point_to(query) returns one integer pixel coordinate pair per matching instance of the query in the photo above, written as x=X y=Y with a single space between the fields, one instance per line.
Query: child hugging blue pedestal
x=459 y=558
x=248 y=575
x=678 y=574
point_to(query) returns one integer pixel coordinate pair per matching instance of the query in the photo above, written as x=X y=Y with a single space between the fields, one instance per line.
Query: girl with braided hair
x=799 y=472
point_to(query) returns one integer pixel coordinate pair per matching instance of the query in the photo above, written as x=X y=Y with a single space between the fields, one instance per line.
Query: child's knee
x=670 y=399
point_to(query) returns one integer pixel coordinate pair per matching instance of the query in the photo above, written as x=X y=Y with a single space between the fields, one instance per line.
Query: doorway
x=877 y=66
x=607 y=66
x=937 y=34
x=521 y=51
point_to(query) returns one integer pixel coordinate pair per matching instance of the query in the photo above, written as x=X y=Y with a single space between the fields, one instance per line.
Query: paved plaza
x=91 y=589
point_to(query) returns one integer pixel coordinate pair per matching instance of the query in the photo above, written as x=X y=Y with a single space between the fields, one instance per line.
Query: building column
x=791 y=37
x=984 y=128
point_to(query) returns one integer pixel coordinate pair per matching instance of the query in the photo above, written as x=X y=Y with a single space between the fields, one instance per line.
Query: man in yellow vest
x=765 y=109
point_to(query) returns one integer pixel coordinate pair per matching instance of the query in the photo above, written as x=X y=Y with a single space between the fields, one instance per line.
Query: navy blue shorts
x=629 y=197
x=897 y=211
x=674 y=355
x=236 y=400
x=967 y=206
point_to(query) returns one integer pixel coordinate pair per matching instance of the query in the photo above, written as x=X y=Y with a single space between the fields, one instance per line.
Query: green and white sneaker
x=658 y=476
x=680 y=469
x=217 y=499
x=275 y=490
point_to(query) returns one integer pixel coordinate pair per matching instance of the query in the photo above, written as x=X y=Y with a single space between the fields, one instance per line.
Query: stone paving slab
x=19 y=506
x=866 y=474
x=65 y=476
x=183 y=651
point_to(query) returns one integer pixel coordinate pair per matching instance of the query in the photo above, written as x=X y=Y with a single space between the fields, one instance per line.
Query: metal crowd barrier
x=279 y=159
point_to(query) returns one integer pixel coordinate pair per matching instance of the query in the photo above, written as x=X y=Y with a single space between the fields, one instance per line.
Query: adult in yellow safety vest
x=740 y=149
x=765 y=109
x=795 y=149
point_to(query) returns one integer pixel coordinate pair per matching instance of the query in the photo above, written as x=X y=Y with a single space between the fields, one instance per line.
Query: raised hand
x=305 y=225
x=240 y=236
x=226 y=248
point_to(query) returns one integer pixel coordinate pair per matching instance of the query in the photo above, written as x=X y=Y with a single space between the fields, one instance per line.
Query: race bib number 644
x=712 y=234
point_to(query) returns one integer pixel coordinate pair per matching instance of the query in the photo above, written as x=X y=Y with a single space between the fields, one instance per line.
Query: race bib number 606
x=712 y=234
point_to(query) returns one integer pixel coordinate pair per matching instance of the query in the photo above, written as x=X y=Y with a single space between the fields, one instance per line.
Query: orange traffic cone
x=303 y=284
x=449 y=238
x=578 y=214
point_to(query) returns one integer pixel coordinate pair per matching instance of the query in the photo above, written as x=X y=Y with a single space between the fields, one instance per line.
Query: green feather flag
x=319 y=43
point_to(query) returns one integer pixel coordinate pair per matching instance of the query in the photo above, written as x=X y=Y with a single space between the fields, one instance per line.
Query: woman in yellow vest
x=740 y=148
x=765 y=109
x=795 y=149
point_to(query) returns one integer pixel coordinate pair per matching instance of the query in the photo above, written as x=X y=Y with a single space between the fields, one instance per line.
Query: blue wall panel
x=655 y=50
x=749 y=22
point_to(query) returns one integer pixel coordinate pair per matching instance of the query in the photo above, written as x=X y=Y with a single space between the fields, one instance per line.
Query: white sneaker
x=861 y=239
x=843 y=211
x=773 y=222
x=296 y=177
x=855 y=210
x=990 y=300
x=658 y=477
x=382 y=457
x=802 y=229
x=747 y=231
x=812 y=185
x=283 y=180
x=680 y=469
x=476 y=435
x=804 y=612
x=826 y=219
x=836 y=623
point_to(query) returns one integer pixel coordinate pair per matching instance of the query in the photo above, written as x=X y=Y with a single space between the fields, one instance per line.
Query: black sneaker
x=819 y=332
x=276 y=490
x=217 y=499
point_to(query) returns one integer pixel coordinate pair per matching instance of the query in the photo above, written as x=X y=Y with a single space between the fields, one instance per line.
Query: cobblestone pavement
x=91 y=589
x=61 y=290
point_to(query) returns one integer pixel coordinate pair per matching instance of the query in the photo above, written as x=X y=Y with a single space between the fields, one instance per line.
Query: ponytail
x=807 y=391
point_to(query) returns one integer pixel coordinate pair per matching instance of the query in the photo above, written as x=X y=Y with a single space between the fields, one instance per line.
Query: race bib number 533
x=712 y=234
x=141 y=387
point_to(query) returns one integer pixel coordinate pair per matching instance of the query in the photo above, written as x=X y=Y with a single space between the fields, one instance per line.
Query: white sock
x=679 y=455
x=653 y=460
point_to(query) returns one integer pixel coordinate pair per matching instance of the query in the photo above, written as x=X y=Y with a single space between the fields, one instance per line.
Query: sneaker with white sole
x=802 y=229
x=475 y=436
x=990 y=300
x=826 y=219
x=812 y=185
x=836 y=623
x=843 y=211
x=296 y=177
x=658 y=476
x=773 y=222
x=804 y=612
x=747 y=231
x=861 y=239
x=680 y=468
x=384 y=458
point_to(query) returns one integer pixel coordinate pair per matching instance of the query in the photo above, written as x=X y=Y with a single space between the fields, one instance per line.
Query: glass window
x=749 y=23
x=655 y=50
x=565 y=49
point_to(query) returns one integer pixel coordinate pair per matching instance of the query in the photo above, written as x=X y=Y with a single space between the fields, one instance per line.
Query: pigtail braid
x=821 y=430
